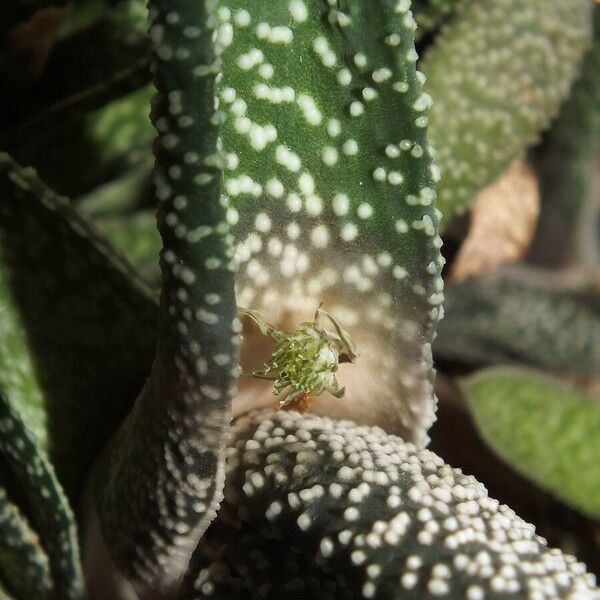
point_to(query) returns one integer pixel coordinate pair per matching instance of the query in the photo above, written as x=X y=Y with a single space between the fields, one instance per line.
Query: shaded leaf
x=18 y=377
x=4 y=595
x=89 y=323
x=565 y=163
x=545 y=430
x=503 y=222
x=135 y=236
x=87 y=68
x=36 y=36
x=15 y=12
x=116 y=129
x=498 y=75
x=128 y=17
x=512 y=318
x=122 y=194
x=23 y=564
x=50 y=512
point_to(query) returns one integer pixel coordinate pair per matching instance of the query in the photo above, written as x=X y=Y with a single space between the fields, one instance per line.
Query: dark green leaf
x=24 y=566
x=50 y=512
x=566 y=162
x=89 y=323
x=512 y=318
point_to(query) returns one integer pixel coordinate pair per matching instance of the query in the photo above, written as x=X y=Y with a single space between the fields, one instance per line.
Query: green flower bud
x=305 y=360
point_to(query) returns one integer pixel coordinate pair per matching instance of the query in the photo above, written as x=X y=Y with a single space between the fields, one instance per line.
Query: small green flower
x=306 y=359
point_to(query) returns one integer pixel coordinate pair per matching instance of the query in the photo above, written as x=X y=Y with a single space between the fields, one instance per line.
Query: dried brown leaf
x=503 y=222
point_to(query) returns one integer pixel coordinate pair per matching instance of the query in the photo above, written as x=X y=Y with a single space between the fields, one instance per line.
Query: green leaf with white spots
x=88 y=321
x=173 y=442
x=499 y=74
x=312 y=523
x=46 y=502
x=511 y=318
x=18 y=377
x=542 y=428
x=330 y=182
x=24 y=566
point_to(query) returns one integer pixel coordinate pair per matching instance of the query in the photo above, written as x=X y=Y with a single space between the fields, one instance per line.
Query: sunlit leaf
x=498 y=75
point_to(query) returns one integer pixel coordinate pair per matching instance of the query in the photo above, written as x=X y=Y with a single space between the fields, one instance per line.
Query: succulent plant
x=292 y=169
x=491 y=108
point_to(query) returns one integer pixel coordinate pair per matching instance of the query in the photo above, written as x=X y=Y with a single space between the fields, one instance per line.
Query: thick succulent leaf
x=330 y=182
x=24 y=568
x=498 y=75
x=174 y=440
x=302 y=519
x=46 y=502
x=542 y=428
x=89 y=323
x=18 y=377
x=507 y=318
x=565 y=164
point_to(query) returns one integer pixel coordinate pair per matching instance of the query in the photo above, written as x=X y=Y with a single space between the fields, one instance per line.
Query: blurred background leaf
x=498 y=72
x=543 y=429
x=516 y=317
x=566 y=163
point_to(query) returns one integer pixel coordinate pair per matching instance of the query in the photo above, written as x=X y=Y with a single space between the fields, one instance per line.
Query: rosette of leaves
x=292 y=144
x=344 y=196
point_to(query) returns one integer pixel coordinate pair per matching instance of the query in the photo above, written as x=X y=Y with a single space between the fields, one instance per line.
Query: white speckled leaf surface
x=331 y=188
x=499 y=72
